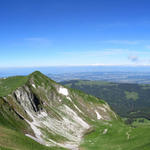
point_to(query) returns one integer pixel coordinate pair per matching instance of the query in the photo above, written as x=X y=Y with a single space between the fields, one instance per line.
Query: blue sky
x=74 y=32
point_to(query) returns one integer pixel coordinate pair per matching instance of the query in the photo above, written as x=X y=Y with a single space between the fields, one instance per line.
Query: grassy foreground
x=105 y=136
x=117 y=136
x=13 y=140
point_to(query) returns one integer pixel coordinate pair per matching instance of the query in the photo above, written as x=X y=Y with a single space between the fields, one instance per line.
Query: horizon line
x=91 y=65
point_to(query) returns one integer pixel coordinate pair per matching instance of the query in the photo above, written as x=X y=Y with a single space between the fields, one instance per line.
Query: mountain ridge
x=51 y=114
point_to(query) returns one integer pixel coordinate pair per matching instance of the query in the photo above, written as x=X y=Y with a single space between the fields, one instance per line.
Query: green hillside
x=37 y=113
x=8 y=85
x=117 y=136
x=128 y=100
x=13 y=140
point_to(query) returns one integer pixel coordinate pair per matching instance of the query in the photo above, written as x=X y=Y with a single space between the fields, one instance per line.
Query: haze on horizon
x=74 y=33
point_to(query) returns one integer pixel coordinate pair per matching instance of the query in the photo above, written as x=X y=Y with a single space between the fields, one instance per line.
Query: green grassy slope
x=118 y=137
x=8 y=85
x=128 y=100
x=13 y=140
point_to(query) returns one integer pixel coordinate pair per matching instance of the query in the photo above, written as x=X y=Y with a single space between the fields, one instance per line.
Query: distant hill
x=128 y=100
x=108 y=76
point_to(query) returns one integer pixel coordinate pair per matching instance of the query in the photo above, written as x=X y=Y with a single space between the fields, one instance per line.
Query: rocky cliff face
x=52 y=114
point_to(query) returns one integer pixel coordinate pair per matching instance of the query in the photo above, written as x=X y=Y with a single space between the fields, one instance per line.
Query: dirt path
x=128 y=135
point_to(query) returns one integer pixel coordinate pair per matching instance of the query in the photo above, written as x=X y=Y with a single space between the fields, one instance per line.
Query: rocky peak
x=56 y=115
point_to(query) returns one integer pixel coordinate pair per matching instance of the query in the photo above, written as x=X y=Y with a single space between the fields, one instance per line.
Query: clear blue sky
x=74 y=32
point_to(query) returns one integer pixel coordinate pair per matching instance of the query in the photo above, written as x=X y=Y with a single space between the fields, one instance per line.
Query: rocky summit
x=49 y=113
